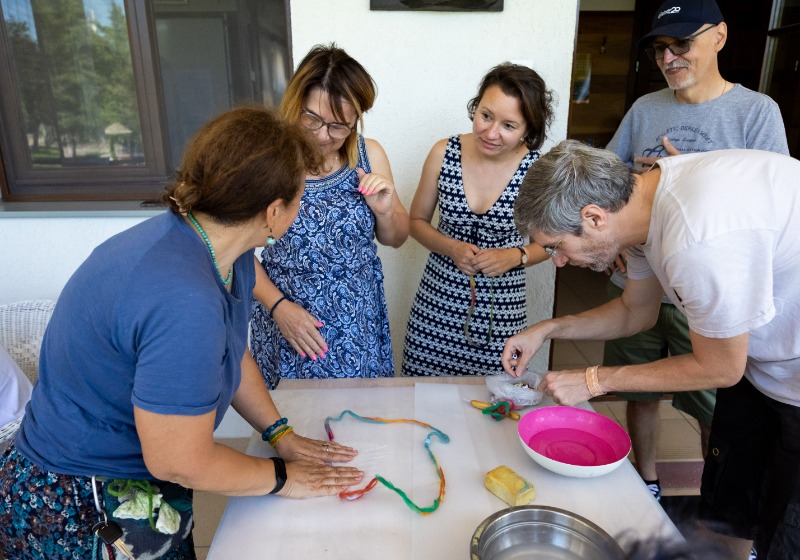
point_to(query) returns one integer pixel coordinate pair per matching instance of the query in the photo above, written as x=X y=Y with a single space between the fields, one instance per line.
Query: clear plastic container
x=522 y=390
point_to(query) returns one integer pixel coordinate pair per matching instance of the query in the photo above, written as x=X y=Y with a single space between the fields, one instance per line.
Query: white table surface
x=380 y=525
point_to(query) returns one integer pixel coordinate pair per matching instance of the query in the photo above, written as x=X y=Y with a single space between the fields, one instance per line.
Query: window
x=100 y=96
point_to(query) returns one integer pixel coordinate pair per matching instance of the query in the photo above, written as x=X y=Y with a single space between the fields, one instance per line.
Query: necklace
x=724 y=87
x=227 y=280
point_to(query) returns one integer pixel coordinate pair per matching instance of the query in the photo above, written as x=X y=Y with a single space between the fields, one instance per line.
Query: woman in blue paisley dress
x=321 y=309
x=472 y=293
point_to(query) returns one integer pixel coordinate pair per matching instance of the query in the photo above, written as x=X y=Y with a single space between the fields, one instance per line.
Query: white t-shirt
x=15 y=389
x=741 y=118
x=724 y=242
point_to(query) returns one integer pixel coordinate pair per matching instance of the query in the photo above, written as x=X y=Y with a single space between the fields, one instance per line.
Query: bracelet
x=273 y=436
x=272 y=309
x=592 y=382
x=276 y=437
x=268 y=432
x=280 y=474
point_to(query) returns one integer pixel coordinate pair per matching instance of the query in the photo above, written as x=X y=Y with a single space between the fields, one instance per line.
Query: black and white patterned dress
x=435 y=342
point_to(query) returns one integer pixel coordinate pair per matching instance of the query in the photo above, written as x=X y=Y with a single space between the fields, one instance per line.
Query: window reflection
x=74 y=80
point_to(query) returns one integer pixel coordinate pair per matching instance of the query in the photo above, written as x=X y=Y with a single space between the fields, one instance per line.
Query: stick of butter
x=509 y=486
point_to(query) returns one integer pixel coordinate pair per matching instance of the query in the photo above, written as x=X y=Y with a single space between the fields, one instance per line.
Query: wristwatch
x=523 y=256
x=280 y=474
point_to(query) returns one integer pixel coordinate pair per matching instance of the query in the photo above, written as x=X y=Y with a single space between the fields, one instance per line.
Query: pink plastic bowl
x=573 y=441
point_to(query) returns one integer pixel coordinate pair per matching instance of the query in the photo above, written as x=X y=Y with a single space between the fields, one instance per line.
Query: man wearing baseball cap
x=699 y=111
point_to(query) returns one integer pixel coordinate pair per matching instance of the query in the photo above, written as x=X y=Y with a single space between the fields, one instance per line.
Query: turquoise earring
x=271 y=240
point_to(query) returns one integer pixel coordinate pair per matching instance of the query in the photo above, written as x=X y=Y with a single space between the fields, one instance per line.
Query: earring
x=271 y=240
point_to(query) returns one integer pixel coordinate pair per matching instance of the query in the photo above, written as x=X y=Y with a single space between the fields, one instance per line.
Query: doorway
x=618 y=74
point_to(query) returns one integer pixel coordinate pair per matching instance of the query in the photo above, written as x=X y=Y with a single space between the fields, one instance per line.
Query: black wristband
x=272 y=309
x=280 y=474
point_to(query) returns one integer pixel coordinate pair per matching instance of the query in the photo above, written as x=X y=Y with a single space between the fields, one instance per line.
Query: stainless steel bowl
x=541 y=532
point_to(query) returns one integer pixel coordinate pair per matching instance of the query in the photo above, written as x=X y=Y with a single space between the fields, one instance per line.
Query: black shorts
x=751 y=479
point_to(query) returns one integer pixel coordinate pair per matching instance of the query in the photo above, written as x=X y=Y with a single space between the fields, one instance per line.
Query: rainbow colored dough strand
x=435 y=432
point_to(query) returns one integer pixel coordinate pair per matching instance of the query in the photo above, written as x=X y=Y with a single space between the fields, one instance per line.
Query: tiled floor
x=679 y=454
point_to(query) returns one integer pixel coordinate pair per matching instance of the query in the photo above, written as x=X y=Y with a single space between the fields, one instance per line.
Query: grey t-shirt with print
x=741 y=118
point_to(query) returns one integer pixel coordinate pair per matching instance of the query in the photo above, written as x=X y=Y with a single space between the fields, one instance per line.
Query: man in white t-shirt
x=15 y=389
x=719 y=234
x=699 y=111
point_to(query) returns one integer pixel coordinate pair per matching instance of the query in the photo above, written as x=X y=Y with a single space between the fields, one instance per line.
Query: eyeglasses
x=552 y=250
x=681 y=46
x=314 y=122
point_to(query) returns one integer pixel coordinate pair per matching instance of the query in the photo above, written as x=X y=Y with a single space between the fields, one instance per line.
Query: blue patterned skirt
x=50 y=516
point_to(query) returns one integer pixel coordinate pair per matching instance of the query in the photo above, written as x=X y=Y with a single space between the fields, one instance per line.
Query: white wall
x=427 y=66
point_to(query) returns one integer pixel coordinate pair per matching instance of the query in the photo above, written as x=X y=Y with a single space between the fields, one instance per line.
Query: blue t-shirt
x=144 y=321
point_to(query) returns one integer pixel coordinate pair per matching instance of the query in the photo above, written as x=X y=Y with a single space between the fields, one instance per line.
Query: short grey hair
x=566 y=179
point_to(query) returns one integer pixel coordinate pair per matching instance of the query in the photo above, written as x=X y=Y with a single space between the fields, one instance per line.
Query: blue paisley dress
x=436 y=343
x=327 y=262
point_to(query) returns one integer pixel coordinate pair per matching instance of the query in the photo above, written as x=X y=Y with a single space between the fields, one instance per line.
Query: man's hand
x=620 y=263
x=567 y=388
x=520 y=348
x=648 y=162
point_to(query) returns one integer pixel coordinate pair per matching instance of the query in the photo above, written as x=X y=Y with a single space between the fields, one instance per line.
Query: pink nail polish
x=326 y=348
x=313 y=356
x=302 y=354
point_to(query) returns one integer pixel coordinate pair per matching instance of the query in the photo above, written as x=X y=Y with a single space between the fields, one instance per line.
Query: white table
x=380 y=525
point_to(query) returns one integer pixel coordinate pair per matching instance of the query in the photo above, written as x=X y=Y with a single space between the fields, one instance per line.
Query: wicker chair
x=22 y=326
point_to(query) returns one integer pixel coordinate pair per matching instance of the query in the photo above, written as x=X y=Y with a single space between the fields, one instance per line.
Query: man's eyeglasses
x=552 y=250
x=681 y=46
x=314 y=122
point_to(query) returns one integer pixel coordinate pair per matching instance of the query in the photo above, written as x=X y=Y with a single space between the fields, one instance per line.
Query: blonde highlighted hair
x=335 y=72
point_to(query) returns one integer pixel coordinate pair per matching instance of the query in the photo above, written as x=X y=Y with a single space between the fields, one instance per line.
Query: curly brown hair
x=528 y=86
x=241 y=162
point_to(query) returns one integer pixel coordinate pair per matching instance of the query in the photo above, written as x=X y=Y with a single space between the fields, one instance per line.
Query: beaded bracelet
x=592 y=382
x=277 y=436
x=274 y=305
x=268 y=432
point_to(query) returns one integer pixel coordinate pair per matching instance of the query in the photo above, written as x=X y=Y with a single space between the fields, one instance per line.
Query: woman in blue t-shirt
x=147 y=349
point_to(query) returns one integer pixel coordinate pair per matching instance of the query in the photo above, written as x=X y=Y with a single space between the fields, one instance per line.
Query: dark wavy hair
x=524 y=84
x=241 y=162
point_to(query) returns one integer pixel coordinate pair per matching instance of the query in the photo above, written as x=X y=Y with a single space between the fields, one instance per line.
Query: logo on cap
x=674 y=10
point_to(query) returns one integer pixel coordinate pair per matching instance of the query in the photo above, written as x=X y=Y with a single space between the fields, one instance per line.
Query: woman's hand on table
x=305 y=479
x=301 y=329
x=309 y=471
x=494 y=262
x=294 y=447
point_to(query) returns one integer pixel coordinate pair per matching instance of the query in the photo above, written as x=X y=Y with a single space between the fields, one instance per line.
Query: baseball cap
x=681 y=18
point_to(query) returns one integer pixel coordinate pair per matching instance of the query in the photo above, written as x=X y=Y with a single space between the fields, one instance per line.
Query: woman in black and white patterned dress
x=472 y=293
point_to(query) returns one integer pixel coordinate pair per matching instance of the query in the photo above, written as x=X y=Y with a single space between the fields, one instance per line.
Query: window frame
x=21 y=182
